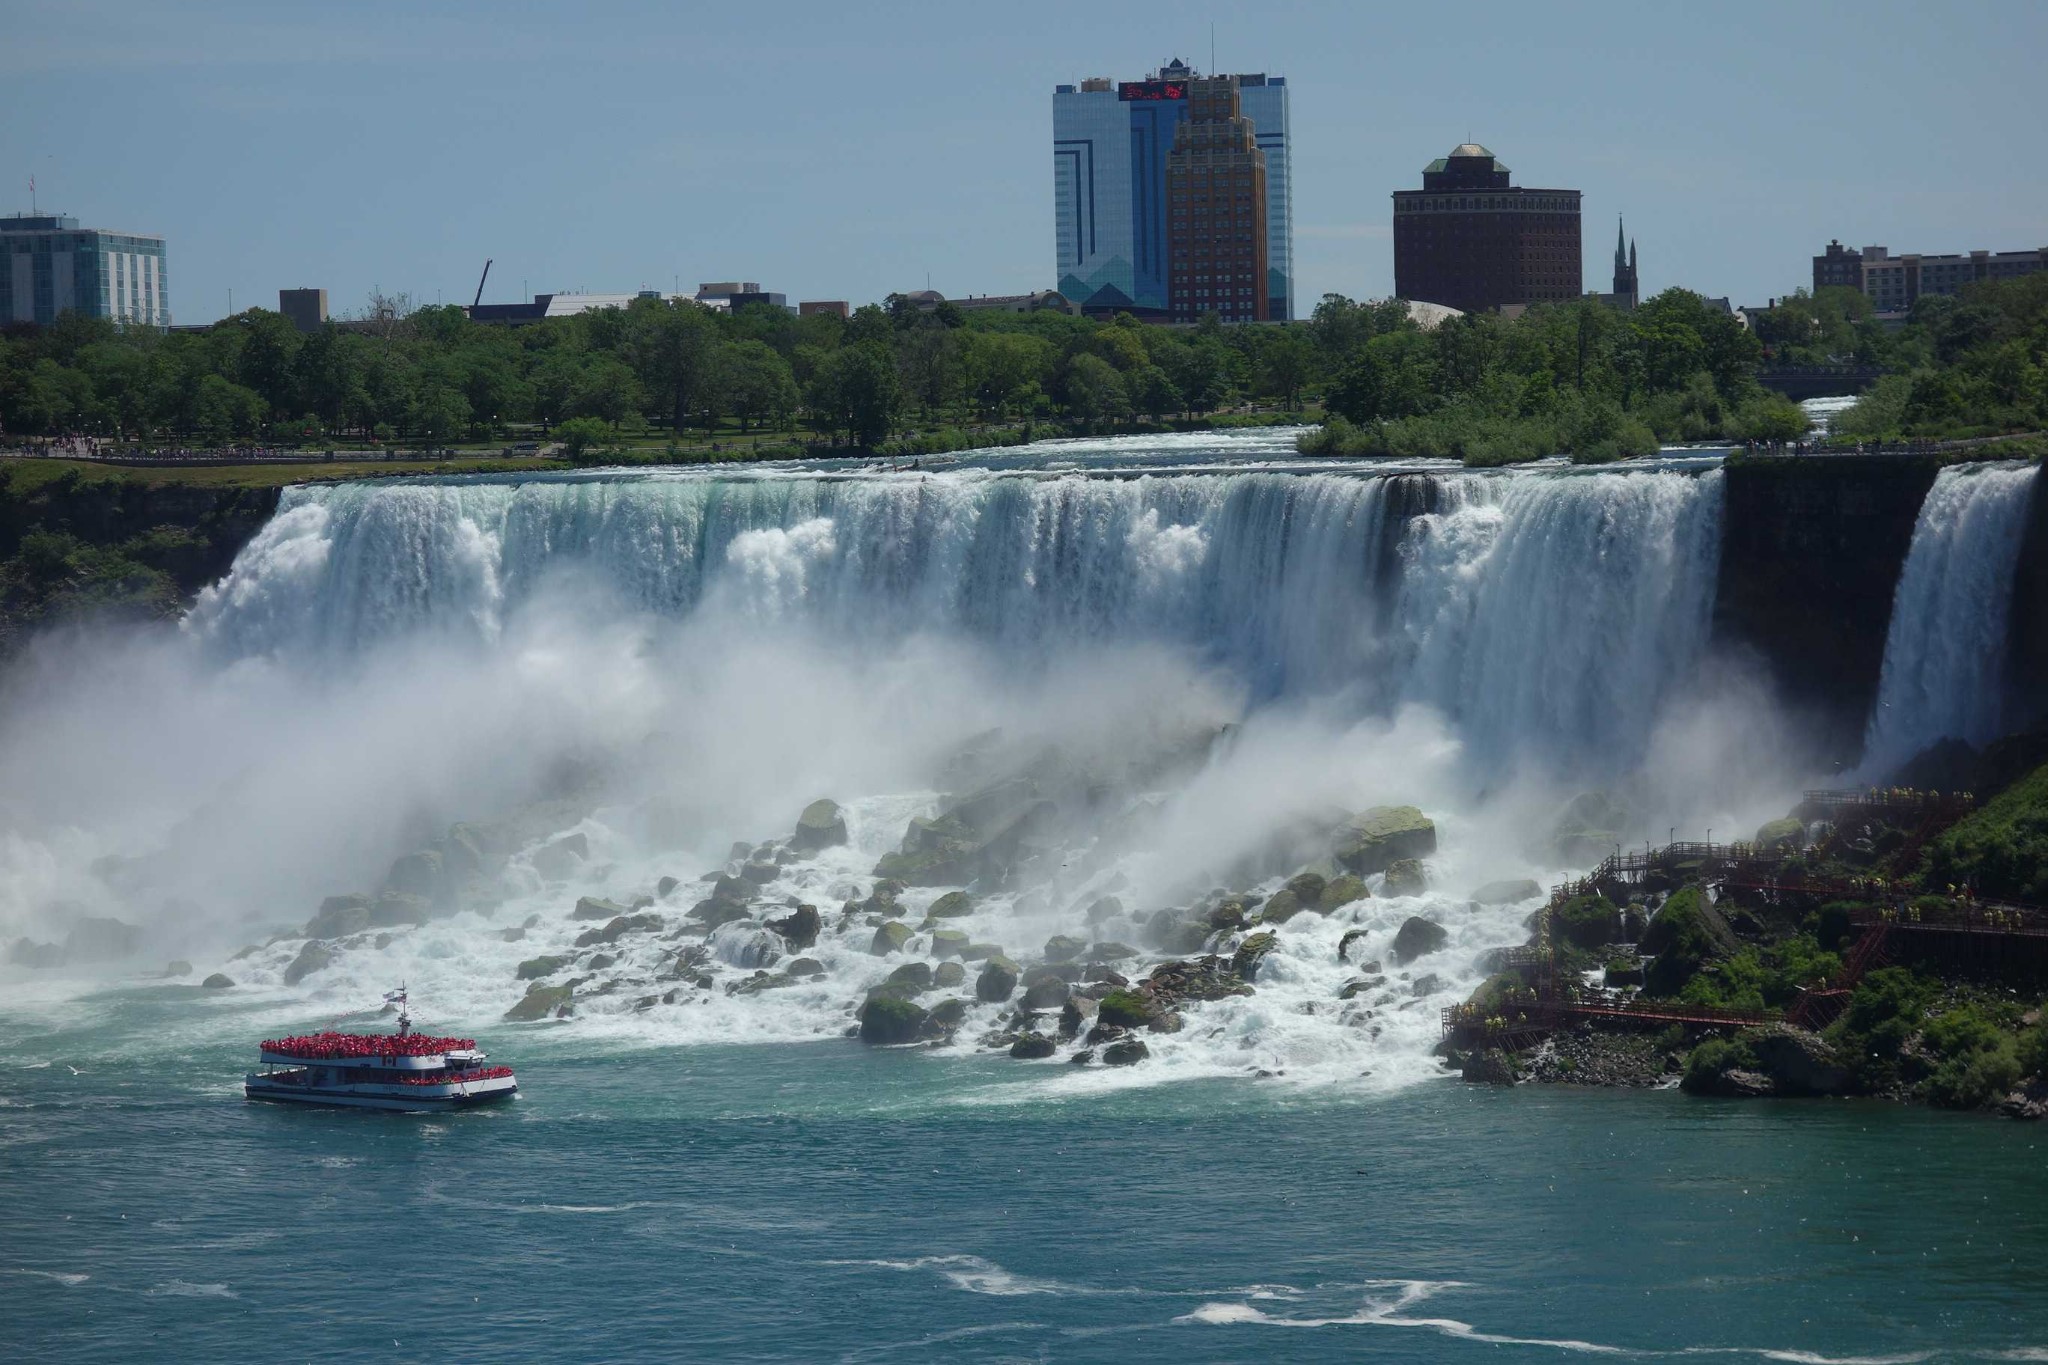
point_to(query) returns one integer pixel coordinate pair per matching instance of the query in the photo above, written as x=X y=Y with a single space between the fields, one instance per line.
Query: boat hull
x=348 y=1097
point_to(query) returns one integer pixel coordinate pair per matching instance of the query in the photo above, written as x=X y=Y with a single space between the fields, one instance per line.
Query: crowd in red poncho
x=483 y=1073
x=327 y=1047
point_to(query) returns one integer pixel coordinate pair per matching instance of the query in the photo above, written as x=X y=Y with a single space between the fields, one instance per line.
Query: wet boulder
x=942 y=1020
x=821 y=826
x=980 y=952
x=616 y=929
x=890 y=1020
x=1127 y=1009
x=998 y=980
x=422 y=873
x=1405 y=877
x=539 y=1002
x=219 y=981
x=1417 y=937
x=948 y=943
x=805 y=968
x=912 y=977
x=799 y=929
x=665 y=886
x=312 y=958
x=952 y=905
x=1125 y=1052
x=889 y=938
x=1307 y=889
x=1372 y=840
x=1076 y=1014
x=1352 y=937
x=1341 y=891
x=1281 y=907
x=534 y=968
x=1031 y=1047
x=597 y=908
x=340 y=916
x=1045 y=993
x=1251 y=953
x=1063 y=948
x=1108 y=952
x=1490 y=1066
x=1104 y=908
x=562 y=858
x=948 y=976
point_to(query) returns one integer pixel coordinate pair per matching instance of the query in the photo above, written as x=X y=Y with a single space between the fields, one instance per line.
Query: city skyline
x=633 y=150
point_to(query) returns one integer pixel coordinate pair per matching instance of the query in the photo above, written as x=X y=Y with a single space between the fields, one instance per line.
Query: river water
x=1200 y=647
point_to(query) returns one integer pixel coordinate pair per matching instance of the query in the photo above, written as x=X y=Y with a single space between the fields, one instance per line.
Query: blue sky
x=844 y=151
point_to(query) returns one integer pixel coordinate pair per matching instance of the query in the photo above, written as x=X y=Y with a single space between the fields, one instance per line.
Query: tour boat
x=404 y=1070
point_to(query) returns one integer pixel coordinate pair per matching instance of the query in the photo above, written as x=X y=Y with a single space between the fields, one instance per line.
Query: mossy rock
x=948 y=975
x=889 y=1020
x=1252 y=952
x=534 y=968
x=1785 y=833
x=822 y=825
x=916 y=977
x=889 y=938
x=539 y=1002
x=1587 y=921
x=1405 y=877
x=1110 y=951
x=952 y=905
x=340 y=916
x=1369 y=841
x=597 y=908
x=948 y=943
x=1341 y=891
x=1127 y=1009
x=1507 y=892
x=1104 y=908
x=1306 y=887
x=1282 y=907
x=1125 y=1052
x=980 y=952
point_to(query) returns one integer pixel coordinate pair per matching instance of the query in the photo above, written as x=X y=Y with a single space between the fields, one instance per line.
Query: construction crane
x=480 y=285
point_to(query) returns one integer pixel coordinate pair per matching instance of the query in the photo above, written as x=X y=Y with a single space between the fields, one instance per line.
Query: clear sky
x=834 y=150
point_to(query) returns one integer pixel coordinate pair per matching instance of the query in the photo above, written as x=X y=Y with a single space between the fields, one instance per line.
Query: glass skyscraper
x=49 y=265
x=1109 y=146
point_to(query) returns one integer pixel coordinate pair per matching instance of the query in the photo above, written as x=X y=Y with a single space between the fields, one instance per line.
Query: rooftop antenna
x=32 y=195
x=1212 y=47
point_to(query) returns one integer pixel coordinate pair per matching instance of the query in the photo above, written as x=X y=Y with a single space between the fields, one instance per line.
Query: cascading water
x=1548 y=611
x=1944 y=652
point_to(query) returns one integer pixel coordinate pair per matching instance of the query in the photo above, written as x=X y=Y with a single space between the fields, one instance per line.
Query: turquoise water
x=828 y=1202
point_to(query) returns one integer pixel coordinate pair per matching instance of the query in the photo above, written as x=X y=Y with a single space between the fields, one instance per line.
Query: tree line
x=1577 y=378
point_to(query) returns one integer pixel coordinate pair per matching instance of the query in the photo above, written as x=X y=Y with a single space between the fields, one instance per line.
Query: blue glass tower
x=49 y=266
x=1110 y=141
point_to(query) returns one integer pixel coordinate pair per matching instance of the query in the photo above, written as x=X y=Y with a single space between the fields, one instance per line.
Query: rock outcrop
x=1371 y=840
x=1417 y=937
x=821 y=826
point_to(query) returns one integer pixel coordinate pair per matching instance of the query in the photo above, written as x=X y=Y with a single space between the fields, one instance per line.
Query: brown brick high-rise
x=1470 y=240
x=1216 y=223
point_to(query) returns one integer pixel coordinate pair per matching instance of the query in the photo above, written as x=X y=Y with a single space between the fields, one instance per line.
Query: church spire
x=1620 y=245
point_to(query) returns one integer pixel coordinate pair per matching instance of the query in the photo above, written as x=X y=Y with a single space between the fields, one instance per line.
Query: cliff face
x=1811 y=551
x=74 y=545
x=2027 y=659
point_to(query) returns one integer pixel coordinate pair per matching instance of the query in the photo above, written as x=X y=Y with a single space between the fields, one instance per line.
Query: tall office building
x=1110 y=146
x=49 y=265
x=1470 y=240
x=1216 y=202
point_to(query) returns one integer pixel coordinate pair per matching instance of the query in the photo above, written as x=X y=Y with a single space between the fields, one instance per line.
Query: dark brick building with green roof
x=1470 y=240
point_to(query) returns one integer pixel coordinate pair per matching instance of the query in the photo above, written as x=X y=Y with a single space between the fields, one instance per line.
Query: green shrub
x=1707 y=1062
x=1682 y=941
x=1733 y=983
x=2001 y=849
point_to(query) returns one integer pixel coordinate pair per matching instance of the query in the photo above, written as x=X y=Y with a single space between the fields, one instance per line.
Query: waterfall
x=1541 y=610
x=1944 y=653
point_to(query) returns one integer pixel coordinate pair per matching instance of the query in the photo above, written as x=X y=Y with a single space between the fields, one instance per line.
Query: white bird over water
x=72 y=1069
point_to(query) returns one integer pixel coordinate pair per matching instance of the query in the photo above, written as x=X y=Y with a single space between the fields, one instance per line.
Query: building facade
x=1111 y=141
x=49 y=265
x=306 y=308
x=1472 y=240
x=1892 y=283
x=1216 y=210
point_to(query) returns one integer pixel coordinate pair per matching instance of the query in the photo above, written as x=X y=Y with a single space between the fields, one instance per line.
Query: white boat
x=403 y=1071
